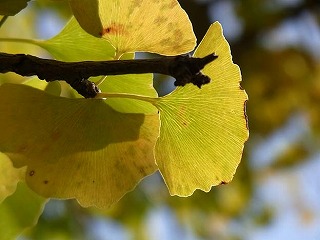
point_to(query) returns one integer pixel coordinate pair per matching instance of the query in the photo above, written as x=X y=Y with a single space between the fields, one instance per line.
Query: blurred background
x=275 y=193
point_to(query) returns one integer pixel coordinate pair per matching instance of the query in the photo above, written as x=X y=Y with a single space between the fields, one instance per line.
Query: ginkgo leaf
x=74 y=44
x=12 y=7
x=203 y=130
x=137 y=84
x=53 y=88
x=9 y=177
x=76 y=148
x=137 y=25
x=130 y=84
x=20 y=211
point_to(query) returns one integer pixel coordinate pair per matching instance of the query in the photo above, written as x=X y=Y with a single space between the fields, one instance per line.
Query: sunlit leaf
x=131 y=84
x=12 y=7
x=76 y=148
x=203 y=130
x=19 y=211
x=9 y=177
x=74 y=44
x=137 y=25
x=53 y=88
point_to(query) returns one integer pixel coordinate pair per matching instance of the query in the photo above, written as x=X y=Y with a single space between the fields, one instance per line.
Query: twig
x=184 y=69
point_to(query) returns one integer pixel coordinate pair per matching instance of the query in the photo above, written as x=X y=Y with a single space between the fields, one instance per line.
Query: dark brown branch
x=184 y=69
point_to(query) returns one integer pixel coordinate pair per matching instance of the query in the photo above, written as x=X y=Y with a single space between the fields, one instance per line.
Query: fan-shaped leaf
x=130 y=25
x=203 y=130
x=76 y=148
x=74 y=44
x=131 y=84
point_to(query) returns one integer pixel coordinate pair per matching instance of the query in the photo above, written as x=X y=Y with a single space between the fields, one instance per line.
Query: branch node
x=85 y=88
x=187 y=70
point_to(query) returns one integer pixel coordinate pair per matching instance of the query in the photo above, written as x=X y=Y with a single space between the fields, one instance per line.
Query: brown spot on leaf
x=22 y=148
x=142 y=171
x=107 y=30
x=169 y=5
x=159 y=21
x=223 y=183
x=31 y=173
x=55 y=135
x=45 y=181
x=114 y=29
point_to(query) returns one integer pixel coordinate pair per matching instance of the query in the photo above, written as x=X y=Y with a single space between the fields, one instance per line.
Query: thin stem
x=101 y=80
x=126 y=95
x=3 y=19
x=19 y=40
x=117 y=55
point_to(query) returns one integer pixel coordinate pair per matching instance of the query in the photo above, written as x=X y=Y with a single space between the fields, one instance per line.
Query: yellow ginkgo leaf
x=203 y=131
x=137 y=25
x=75 y=148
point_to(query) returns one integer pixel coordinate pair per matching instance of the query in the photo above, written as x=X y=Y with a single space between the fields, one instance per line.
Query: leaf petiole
x=18 y=40
x=101 y=80
x=126 y=95
x=3 y=19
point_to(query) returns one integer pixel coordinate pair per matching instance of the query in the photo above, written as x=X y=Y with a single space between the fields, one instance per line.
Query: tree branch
x=184 y=69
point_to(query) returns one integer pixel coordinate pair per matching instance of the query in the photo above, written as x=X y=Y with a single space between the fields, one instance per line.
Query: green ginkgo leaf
x=129 y=25
x=203 y=130
x=53 y=88
x=12 y=7
x=20 y=211
x=76 y=148
x=9 y=177
x=130 y=84
x=74 y=44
